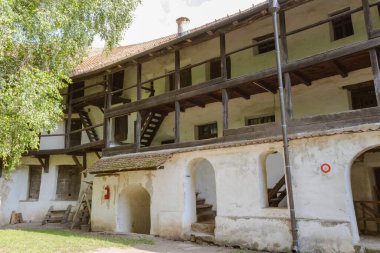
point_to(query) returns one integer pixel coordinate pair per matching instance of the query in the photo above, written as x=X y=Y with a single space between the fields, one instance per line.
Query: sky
x=156 y=18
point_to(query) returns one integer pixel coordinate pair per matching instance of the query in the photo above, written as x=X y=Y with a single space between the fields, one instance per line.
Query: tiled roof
x=129 y=162
x=99 y=60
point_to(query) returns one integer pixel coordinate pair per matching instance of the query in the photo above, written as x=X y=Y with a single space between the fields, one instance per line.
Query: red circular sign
x=325 y=168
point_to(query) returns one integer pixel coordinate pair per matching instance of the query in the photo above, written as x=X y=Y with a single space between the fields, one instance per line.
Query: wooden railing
x=367 y=212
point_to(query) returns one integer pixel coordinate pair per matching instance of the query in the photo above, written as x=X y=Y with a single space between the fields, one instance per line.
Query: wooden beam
x=69 y=115
x=367 y=18
x=77 y=162
x=177 y=121
x=241 y=93
x=225 y=108
x=44 y=161
x=302 y=78
x=376 y=73
x=340 y=68
x=223 y=59
x=138 y=117
x=217 y=85
x=215 y=97
x=196 y=102
x=107 y=121
x=177 y=73
x=265 y=86
x=288 y=95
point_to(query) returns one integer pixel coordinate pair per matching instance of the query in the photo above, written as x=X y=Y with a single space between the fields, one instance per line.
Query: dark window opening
x=207 y=131
x=265 y=46
x=35 y=172
x=261 y=120
x=118 y=82
x=75 y=138
x=342 y=27
x=362 y=95
x=68 y=182
x=77 y=90
x=121 y=128
x=216 y=70
x=185 y=79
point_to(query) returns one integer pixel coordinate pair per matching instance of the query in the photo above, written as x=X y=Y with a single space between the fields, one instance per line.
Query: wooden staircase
x=277 y=193
x=91 y=133
x=150 y=126
x=203 y=229
x=57 y=216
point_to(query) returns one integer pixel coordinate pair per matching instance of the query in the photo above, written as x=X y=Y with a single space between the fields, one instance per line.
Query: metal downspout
x=274 y=7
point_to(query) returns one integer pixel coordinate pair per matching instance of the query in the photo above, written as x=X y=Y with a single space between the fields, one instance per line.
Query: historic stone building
x=181 y=136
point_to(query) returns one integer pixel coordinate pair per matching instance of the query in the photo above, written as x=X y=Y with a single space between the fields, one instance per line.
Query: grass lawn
x=56 y=241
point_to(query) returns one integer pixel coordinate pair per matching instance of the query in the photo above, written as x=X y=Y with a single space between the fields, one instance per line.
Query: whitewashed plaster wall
x=323 y=202
x=14 y=191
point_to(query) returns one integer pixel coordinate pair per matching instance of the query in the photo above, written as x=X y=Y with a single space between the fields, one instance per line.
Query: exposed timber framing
x=340 y=68
x=302 y=78
x=108 y=104
x=376 y=73
x=69 y=115
x=241 y=93
x=138 y=118
x=223 y=59
x=44 y=161
x=177 y=106
x=80 y=165
x=218 y=84
x=367 y=18
x=225 y=109
x=196 y=102
x=272 y=131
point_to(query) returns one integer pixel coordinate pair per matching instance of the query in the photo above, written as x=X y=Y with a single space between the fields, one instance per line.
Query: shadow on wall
x=199 y=178
x=133 y=214
x=365 y=186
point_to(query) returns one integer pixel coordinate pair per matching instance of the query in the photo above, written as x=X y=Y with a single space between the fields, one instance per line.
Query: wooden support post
x=376 y=73
x=177 y=121
x=138 y=118
x=225 y=109
x=177 y=81
x=107 y=121
x=44 y=161
x=285 y=58
x=367 y=18
x=223 y=59
x=69 y=115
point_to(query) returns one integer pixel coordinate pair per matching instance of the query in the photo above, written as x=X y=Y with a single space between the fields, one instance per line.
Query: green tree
x=41 y=41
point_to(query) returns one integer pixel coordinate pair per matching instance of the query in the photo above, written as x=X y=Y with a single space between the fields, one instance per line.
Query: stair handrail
x=273 y=192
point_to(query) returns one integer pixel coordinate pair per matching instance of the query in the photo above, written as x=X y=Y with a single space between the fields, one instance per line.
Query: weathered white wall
x=323 y=202
x=14 y=192
x=205 y=183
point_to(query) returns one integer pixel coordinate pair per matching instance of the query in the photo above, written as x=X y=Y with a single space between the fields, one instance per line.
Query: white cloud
x=154 y=19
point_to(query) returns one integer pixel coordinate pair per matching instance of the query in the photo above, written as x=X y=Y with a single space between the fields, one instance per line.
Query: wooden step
x=206 y=216
x=57 y=219
x=203 y=227
x=204 y=208
x=201 y=201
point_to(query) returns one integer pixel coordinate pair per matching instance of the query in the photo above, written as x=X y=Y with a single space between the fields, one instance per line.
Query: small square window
x=68 y=182
x=264 y=47
x=342 y=27
x=216 y=70
x=260 y=120
x=362 y=95
x=208 y=131
x=185 y=79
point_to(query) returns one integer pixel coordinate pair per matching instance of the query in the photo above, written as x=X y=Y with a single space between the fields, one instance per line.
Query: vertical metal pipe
x=274 y=7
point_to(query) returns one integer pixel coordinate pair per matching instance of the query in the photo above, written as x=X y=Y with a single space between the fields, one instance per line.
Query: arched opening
x=273 y=180
x=200 y=197
x=133 y=214
x=365 y=187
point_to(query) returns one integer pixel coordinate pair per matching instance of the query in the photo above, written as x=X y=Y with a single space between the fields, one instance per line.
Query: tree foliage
x=41 y=41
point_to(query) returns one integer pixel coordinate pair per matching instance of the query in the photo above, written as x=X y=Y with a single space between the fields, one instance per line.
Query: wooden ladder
x=91 y=133
x=151 y=124
x=276 y=195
